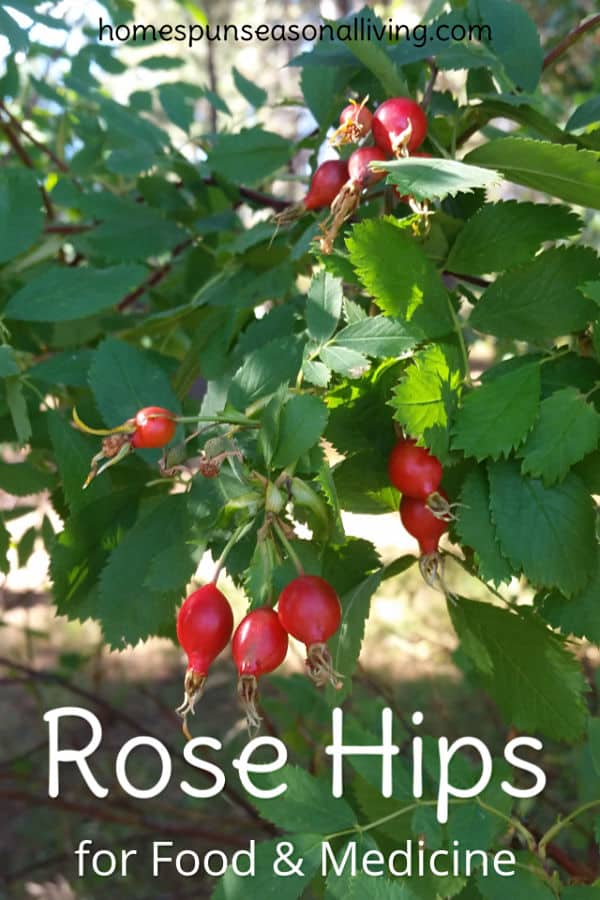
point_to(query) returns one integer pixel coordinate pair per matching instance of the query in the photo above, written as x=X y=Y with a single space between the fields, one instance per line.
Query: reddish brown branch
x=155 y=277
x=67 y=229
x=570 y=39
x=33 y=140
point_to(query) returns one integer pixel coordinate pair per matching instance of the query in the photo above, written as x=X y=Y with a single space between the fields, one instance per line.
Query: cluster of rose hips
x=398 y=128
x=424 y=509
x=308 y=609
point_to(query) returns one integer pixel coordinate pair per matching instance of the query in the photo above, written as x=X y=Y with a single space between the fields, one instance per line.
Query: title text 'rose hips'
x=154 y=427
x=204 y=626
x=419 y=521
x=413 y=470
x=309 y=609
x=259 y=646
x=399 y=124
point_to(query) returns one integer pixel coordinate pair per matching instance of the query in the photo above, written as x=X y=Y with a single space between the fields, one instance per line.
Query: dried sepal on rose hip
x=152 y=427
x=360 y=177
x=259 y=646
x=355 y=124
x=325 y=184
x=309 y=610
x=204 y=628
x=422 y=524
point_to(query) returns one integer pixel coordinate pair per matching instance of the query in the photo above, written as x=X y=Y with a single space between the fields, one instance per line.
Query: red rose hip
x=154 y=427
x=414 y=470
x=259 y=646
x=399 y=124
x=309 y=609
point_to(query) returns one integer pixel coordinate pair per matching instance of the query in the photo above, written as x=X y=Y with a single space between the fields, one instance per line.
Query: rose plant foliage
x=135 y=275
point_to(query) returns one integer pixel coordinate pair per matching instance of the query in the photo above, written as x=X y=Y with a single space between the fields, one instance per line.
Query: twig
x=430 y=84
x=570 y=39
x=155 y=277
x=33 y=140
x=470 y=279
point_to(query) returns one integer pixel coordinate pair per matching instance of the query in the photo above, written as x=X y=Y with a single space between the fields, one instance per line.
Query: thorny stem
x=563 y=823
x=287 y=546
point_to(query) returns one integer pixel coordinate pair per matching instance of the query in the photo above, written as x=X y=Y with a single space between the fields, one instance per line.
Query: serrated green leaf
x=476 y=529
x=510 y=650
x=362 y=484
x=323 y=306
x=265 y=882
x=17 y=406
x=524 y=883
x=568 y=428
x=301 y=425
x=502 y=235
x=515 y=41
x=376 y=336
x=73 y=452
x=548 y=533
x=69 y=367
x=316 y=372
x=344 y=360
x=400 y=277
x=495 y=418
x=124 y=379
x=253 y=151
x=429 y=179
x=129 y=231
x=580 y=614
x=594 y=741
x=129 y=614
x=361 y=886
x=265 y=369
x=308 y=804
x=250 y=91
x=21 y=214
x=63 y=294
x=423 y=400
x=373 y=57
x=540 y=300
x=583 y=891
x=346 y=643
x=560 y=170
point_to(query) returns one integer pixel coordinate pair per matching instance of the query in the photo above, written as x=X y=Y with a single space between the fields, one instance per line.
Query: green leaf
x=5 y=539
x=495 y=418
x=429 y=179
x=360 y=886
x=560 y=170
x=22 y=479
x=346 y=643
x=129 y=231
x=586 y=114
x=362 y=483
x=21 y=214
x=301 y=424
x=179 y=100
x=316 y=372
x=306 y=804
x=127 y=612
x=548 y=533
x=476 y=529
x=423 y=399
x=252 y=152
x=582 y=891
x=323 y=306
x=401 y=279
x=8 y=362
x=62 y=294
x=510 y=650
x=344 y=360
x=265 y=884
x=374 y=58
x=17 y=406
x=73 y=452
x=124 y=379
x=69 y=367
x=264 y=370
x=568 y=428
x=578 y=615
x=250 y=91
x=376 y=336
x=501 y=235
x=524 y=883
x=515 y=41
x=594 y=739
x=540 y=300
